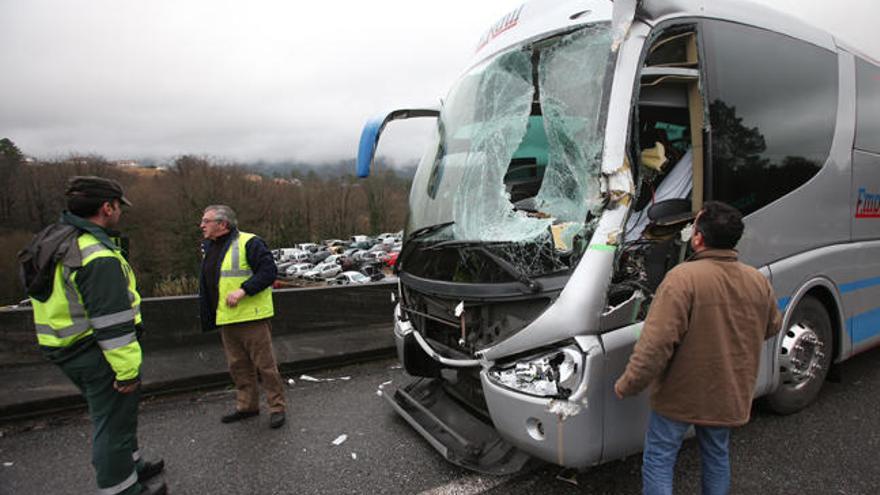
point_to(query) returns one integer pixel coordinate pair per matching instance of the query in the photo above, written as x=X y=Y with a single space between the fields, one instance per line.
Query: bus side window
x=773 y=104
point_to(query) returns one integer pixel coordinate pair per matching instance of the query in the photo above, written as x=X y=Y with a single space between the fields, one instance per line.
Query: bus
x=560 y=185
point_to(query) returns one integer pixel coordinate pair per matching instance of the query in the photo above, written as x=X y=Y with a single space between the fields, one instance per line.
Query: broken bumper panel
x=567 y=433
x=459 y=435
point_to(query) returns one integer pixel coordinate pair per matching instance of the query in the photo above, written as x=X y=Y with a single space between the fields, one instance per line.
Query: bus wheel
x=804 y=357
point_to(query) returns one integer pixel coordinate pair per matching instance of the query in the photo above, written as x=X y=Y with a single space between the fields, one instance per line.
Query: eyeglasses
x=209 y=220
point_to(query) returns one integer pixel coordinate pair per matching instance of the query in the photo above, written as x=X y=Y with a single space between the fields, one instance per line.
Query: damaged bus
x=559 y=188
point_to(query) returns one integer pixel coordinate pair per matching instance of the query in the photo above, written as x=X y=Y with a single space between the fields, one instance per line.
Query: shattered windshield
x=516 y=161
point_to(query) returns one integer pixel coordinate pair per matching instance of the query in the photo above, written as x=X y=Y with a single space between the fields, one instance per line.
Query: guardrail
x=313 y=328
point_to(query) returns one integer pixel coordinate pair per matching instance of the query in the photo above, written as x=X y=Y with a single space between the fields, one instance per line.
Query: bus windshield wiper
x=422 y=232
x=415 y=234
x=481 y=246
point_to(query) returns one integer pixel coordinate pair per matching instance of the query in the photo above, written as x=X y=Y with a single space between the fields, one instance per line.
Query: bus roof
x=538 y=19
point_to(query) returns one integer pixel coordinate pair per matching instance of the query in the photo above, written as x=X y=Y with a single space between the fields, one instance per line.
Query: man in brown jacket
x=700 y=348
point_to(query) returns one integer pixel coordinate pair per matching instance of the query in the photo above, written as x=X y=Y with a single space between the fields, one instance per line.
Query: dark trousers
x=249 y=353
x=114 y=421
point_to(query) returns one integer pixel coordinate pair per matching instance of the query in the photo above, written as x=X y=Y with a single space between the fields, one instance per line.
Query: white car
x=298 y=269
x=349 y=278
x=374 y=256
x=323 y=271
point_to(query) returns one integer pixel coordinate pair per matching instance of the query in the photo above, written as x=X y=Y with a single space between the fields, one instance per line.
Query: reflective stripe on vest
x=61 y=320
x=234 y=271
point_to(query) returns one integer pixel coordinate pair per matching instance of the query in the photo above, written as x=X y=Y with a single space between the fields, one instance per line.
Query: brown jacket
x=702 y=339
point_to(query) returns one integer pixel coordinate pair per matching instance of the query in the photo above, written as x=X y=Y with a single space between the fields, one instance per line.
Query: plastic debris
x=354 y=456
x=395 y=367
x=382 y=385
x=379 y=392
x=568 y=476
x=563 y=409
x=8 y=464
x=309 y=378
x=290 y=382
x=340 y=439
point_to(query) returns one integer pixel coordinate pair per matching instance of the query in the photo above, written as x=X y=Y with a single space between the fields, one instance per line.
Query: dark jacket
x=102 y=284
x=259 y=258
x=702 y=339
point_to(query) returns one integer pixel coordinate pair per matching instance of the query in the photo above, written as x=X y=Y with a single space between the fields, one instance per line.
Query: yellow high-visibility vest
x=234 y=270
x=61 y=320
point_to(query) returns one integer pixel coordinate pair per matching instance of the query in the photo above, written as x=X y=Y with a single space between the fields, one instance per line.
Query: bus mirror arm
x=373 y=129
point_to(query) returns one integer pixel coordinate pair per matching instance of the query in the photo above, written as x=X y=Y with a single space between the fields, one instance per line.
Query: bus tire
x=804 y=357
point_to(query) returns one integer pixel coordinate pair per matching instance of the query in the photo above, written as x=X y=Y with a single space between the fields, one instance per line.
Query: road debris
x=340 y=439
x=309 y=378
x=354 y=456
x=290 y=382
x=568 y=476
x=379 y=391
x=8 y=464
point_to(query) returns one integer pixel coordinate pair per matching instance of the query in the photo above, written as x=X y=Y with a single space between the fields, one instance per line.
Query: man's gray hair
x=225 y=214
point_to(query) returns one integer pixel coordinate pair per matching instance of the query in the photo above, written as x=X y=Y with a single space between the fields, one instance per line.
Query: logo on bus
x=505 y=23
x=867 y=204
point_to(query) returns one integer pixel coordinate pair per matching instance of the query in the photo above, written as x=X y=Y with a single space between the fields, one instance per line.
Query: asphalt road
x=830 y=448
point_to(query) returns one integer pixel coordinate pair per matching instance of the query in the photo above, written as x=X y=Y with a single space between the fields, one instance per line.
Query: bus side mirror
x=373 y=129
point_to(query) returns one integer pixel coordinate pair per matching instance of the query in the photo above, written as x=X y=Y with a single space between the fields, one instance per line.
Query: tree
x=11 y=164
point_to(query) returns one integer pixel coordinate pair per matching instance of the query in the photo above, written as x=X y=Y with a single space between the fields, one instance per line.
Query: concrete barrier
x=312 y=328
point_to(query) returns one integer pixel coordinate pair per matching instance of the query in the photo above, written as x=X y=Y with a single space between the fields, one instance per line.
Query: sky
x=244 y=81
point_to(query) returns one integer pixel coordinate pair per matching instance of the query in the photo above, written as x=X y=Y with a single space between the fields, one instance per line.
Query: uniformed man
x=87 y=316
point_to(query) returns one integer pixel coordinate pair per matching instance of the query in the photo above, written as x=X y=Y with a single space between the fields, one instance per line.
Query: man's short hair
x=720 y=224
x=224 y=214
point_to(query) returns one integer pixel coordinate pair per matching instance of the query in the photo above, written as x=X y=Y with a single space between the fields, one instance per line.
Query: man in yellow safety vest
x=235 y=289
x=87 y=317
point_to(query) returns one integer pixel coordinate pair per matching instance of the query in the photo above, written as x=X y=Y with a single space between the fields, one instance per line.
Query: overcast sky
x=257 y=79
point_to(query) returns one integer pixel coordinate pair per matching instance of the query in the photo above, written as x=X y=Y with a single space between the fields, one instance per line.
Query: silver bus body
x=489 y=402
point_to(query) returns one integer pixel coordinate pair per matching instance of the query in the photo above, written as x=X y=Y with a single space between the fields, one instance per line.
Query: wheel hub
x=800 y=355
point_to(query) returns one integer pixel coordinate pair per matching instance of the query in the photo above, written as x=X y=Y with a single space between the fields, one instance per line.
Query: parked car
x=297 y=270
x=373 y=270
x=349 y=278
x=355 y=239
x=333 y=258
x=308 y=246
x=285 y=254
x=319 y=256
x=375 y=256
x=323 y=271
x=378 y=247
x=391 y=258
x=282 y=266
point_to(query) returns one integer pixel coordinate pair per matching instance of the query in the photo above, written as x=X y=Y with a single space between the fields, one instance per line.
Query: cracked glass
x=515 y=165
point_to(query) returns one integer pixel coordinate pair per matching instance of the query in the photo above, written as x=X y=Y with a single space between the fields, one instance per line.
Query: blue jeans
x=662 y=442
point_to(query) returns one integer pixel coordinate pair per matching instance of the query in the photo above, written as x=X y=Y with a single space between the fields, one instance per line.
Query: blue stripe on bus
x=859 y=284
x=783 y=302
x=864 y=326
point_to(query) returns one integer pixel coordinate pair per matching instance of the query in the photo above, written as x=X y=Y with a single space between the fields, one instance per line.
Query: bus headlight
x=553 y=374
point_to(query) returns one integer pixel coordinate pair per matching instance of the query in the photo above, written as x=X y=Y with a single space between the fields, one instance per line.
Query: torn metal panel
x=623 y=314
x=621 y=98
x=621 y=20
